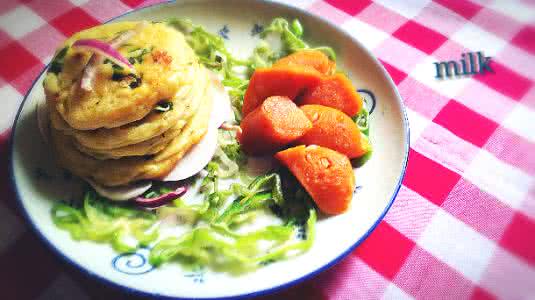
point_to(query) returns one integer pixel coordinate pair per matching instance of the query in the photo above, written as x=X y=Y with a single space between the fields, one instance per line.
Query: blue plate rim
x=138 y=292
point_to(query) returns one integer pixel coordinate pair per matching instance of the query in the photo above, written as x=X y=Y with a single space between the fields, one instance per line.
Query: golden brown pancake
x=147 y=147
x=154 y=125
x=115 y=172
x=113 y=103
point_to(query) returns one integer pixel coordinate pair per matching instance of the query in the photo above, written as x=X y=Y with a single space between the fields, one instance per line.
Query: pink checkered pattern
x=463 y=224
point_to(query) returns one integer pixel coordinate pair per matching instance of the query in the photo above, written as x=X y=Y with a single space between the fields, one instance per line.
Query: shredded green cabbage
x=291 y=36
x=263 y=188
x=187 y=214
x=229 y=155
x=213 y=53
x=217 y=244
x=225 y=250
x=125 y=228
x=362 y=119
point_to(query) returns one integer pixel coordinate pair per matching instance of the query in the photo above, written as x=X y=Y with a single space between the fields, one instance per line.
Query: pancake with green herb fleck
x=164 y=117
x=160 y=57
x=148 y=147
x=116 y=172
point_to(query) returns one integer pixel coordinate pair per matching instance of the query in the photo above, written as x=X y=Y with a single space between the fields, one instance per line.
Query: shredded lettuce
x=187 y=214
x=231 y=147
x=214 y=198
x=213 y=53
x=225 y=250
x=362 y=120
x=229 y=156
x=363 y=123
x=218 y=244
x=263 y=56
x=291 y=36
x=125 y=228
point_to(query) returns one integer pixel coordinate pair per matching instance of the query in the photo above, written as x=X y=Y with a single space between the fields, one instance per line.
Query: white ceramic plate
x=38 y=182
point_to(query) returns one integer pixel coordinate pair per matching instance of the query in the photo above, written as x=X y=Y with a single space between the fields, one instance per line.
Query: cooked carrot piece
x=333 y=129
x=311 y=58
x=335 y=91
x=325 y=174
x=289 y=81
x=271 y=126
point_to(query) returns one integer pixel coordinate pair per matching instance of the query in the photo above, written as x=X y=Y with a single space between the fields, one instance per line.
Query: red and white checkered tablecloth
x=463 y=224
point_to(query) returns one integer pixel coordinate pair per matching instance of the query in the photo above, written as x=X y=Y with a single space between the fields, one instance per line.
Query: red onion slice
x=90 y=69
x=105 y=50
x=162 y=199
x=231 y=127
x=89 y=73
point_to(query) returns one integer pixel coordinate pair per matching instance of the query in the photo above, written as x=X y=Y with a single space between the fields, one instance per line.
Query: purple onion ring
x=162 y=199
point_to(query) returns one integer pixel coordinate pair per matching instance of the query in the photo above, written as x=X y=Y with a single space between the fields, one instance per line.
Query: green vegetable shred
x=100 y=220
x=164 y=106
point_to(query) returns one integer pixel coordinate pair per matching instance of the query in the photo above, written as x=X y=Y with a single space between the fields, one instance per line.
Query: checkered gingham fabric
x=463 y=223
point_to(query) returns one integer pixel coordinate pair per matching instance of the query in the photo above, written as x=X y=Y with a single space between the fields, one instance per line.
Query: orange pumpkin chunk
x=271 y=126
x=289 y=81
x=326 y=175
x=311 y=58
x=333 y=129
x=335 y=91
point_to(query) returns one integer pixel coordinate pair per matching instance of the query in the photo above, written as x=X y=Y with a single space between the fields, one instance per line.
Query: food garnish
x=161 y=57
x=164 y=106
x=160 y=200
x=105 y=50
x=122 y=225
x=89 y=71
x=57 y=62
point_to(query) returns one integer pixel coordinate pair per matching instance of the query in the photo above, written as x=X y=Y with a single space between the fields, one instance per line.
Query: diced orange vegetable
x=289 y=81
x=271 y=126
x=333 y=129
x=311 y=58
x=335 y=91
x=326 y=175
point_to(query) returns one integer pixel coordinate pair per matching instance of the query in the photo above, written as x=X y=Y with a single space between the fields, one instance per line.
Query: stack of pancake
x=128 y=126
